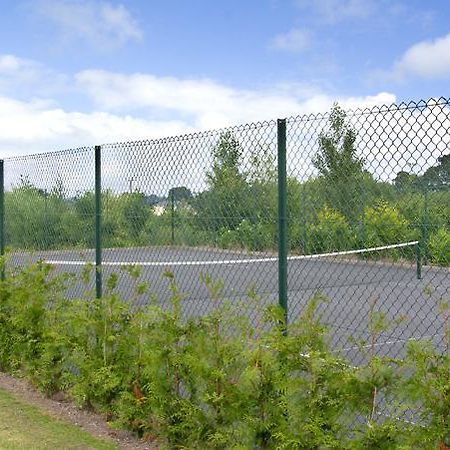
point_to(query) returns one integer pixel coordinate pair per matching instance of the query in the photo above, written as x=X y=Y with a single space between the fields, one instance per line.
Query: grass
x=23 y=426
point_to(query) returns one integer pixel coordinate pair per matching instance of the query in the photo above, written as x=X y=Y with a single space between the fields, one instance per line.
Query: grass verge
x=23 y=426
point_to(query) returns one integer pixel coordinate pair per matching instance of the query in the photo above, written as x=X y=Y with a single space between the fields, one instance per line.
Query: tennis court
x=175 y=204
x=354 y=281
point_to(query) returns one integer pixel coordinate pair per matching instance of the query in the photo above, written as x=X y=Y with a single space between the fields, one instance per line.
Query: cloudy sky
x=78 y=72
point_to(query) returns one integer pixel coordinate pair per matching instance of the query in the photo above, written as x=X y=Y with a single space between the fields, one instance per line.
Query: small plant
x=427 y=387
x=372 y=384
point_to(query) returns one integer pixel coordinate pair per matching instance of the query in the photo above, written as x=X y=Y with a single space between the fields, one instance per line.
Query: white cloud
x=332 y=11
x=426 y=59
x=143 y=106
x=203 y=102
x=295 y=40
x=10 y=64
x=128 y=107
x=28 y=78
x=36 y=126
x=99 y=23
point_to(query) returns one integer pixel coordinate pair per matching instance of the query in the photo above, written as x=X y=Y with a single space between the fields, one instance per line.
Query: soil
x=60 y=408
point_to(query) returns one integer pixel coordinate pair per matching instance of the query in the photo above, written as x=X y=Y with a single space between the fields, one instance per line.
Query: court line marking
x=231 y=261
x=391 y=342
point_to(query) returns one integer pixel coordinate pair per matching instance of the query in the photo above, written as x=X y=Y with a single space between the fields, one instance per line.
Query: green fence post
x=2 y=217
x=282 y=218
x=418 y=261
x=98 y=222
x=172 y=217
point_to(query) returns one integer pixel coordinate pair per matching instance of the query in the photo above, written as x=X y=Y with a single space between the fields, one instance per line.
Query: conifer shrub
x=225 y=379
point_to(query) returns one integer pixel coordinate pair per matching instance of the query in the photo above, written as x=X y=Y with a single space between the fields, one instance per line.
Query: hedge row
x=220 y=381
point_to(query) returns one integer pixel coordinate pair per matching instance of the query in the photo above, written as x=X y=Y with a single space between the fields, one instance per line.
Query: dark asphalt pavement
x=353 y=286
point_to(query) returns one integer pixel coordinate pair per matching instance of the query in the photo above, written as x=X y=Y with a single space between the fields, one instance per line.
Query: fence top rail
x=53 y=154
x=419 y=105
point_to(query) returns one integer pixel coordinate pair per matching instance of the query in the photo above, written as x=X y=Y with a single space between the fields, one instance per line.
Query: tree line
x=343 y=207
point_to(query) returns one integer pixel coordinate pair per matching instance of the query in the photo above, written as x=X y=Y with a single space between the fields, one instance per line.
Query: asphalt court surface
x=352 y=284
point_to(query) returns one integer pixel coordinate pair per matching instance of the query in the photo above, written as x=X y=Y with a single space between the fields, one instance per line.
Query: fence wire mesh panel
x=49 y=210
x=196 y=205
x=368 y=211
x=369 y=202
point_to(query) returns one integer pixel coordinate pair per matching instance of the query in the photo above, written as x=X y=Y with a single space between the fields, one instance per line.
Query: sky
x=85 y=72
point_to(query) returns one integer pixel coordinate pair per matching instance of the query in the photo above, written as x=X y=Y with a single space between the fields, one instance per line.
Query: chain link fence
x=354 y=204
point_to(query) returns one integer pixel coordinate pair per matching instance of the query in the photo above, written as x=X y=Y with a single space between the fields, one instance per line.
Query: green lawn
x=25 y=427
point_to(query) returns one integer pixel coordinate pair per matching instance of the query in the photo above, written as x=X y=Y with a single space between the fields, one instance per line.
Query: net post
x=418 y=261
x=2 y=218
x=98 y=222
x=282 y=219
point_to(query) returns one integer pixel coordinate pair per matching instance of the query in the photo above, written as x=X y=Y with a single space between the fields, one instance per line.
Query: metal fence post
x=419 y=261
x=282 y=218
x=2 y=217
x=98 y=222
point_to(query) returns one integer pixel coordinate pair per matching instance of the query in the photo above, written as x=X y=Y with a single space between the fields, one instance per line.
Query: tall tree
x=340 y=168
x=227 y=156
x=223 y=205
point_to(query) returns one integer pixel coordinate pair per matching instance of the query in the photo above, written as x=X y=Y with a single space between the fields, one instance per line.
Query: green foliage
x=438 y=177
x=219 y=381
x=330 y=232
x=439 y=247
x=37 y=219
x=385 y=225
x=342 y=207
x=258 y=236
x=134 y=213
x=179 y=194
x=339 y=166
x=428 y=389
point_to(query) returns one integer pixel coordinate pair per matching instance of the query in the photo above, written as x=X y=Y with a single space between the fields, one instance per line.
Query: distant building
x=160 y=208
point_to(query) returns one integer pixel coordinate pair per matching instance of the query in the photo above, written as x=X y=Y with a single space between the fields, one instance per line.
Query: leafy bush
x=439 y=247
x=330 y=232
x=252 y=236
x=385 y=225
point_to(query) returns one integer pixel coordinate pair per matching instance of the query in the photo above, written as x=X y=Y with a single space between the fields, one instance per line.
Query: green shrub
x=330 y=232
x=384 y=225
x=228 y=238
x=256 y=236
x=217 y=381
x=439 y=247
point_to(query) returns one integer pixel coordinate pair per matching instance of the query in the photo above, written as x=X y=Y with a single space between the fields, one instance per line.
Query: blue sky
x=76 y=72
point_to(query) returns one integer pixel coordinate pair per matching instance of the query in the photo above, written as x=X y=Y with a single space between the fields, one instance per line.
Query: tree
x=39 y=218
x=227 y=156
x=339 y=166
x=179 y=194
x=438 y=177
x=224 y=204
x=406 y=182
x=134 y=213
